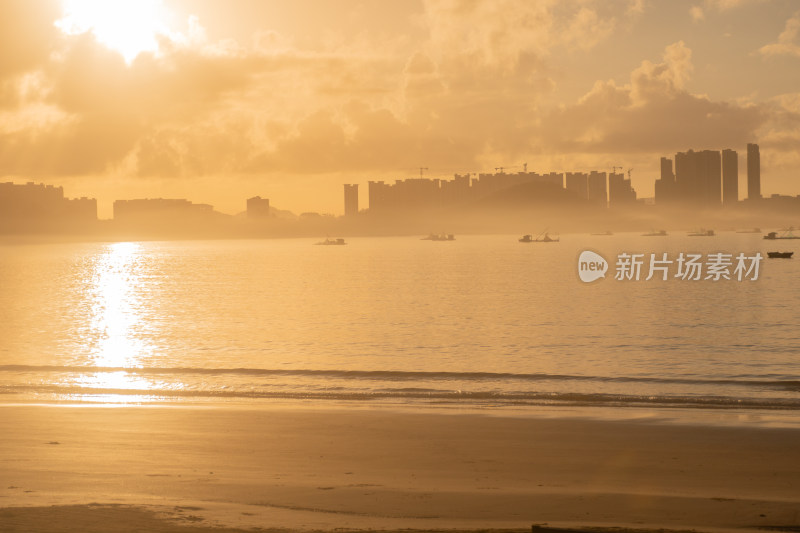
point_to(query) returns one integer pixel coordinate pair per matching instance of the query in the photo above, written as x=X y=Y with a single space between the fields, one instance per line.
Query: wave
x=493 y=398
x=399 y=376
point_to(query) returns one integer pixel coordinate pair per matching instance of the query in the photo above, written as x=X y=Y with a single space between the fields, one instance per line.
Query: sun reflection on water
x=118 y=318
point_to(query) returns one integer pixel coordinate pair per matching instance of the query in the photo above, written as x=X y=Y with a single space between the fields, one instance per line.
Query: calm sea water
x=484 y=321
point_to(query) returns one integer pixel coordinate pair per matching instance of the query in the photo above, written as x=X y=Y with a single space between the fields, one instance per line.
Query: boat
x=754 y=230
x=787 y=234
x=607 y=232
x=331 y=242
x=702 y=233
x=659 y=233
x=780 y=255
x=440 y=237
x=539 y=238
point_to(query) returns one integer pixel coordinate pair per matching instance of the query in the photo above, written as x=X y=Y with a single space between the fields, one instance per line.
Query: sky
x=289 y=99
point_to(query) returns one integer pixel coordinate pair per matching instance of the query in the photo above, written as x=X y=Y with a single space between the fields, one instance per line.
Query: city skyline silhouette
x=177 y=101
x=399 y=266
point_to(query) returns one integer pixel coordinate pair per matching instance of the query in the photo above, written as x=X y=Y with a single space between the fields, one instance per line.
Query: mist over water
x=480 y=321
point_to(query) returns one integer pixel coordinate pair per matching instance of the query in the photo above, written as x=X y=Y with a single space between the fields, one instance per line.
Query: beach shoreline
x=305 y=468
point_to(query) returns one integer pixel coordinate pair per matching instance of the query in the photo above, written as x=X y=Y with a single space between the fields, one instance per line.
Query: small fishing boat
x=440 y=237
x=539 y=238
x=702 y=233
x=331 y=242
x=787 y=234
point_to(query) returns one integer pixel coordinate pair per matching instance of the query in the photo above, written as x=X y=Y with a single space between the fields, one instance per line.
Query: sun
x=128 y=26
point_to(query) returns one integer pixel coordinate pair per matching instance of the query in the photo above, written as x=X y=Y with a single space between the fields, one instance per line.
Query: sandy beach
x=172 y=468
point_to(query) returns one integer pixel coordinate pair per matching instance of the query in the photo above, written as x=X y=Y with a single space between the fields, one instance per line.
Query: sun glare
x=116 y=314
x=128 y=26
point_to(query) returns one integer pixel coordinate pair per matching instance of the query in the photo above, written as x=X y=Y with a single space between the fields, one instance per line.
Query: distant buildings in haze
x=599 y=188
x=620 y=190
x=158 y=209
x=707 y=178
x=32 y=204
x=350 y=199
x=257 y=207
x=692 y=179
x=730 y=177
x=753 y=172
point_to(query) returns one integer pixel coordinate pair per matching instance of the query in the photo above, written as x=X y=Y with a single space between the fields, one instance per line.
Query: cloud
x=653 y=113
x=724 y=5
x=27 y=34
x=108 y=106
x=471 y=90
x=698 y=12
x=27 y=37
x=635 y=7
x=788 y=42
x=474 y=91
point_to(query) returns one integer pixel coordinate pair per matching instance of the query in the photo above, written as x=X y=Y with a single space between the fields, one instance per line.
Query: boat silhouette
x=787 y=234
x=331 y=242
x=702 y=233
x=539 y=238
x=439 y=237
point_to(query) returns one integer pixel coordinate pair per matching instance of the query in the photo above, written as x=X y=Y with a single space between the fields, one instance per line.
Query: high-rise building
x=698 y=177
x=257 y=207
x=350 y=199
x=620 y=190
x=711 y=178
x=597 y=188
x=554 y=178
x=666 y=190
x=32 y=204
x=578 y=183
x=753 y=172
x=730 y=177
x=457 y=191
x=161 y=210
x=379 y=196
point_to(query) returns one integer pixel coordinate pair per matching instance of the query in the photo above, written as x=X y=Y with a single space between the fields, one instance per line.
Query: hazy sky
x=218 y=100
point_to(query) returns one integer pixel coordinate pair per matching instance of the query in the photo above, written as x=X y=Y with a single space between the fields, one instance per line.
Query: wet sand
x=188 y=468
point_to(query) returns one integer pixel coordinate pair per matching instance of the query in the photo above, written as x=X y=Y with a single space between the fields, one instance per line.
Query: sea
x=483 y=322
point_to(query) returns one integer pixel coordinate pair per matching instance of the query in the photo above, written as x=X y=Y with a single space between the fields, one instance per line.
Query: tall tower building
x=730 y=177
x=711 y=177
x=578 y=184
x=698 y=177
x=666 y=189
x=597 y=188
x=257 y=207
x=350 y=199
x=753 y=172
x=620 y=191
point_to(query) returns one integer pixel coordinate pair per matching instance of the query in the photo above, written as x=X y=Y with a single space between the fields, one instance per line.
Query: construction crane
x=503 y=169
x=421 y=170
x=629 y=173
x=614 y=169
